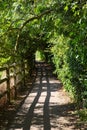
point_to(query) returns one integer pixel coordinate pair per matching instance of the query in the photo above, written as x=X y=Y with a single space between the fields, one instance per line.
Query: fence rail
x=14 y=76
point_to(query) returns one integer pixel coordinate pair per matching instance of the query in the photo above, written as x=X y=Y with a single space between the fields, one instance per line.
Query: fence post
x=15 y=87
x=23 y=74
x=8 y=84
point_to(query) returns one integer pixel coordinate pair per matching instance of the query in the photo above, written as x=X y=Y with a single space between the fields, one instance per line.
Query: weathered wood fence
x=13 y=79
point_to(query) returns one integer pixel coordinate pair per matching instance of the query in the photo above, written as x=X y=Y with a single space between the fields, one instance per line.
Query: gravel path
x=47 y=107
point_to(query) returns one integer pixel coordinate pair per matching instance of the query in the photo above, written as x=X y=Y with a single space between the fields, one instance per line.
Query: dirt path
x=47 y=107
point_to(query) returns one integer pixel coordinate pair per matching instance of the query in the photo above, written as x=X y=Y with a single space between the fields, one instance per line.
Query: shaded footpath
x=47 y=107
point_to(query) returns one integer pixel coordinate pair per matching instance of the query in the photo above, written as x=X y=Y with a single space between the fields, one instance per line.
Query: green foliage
x=70 y=46
x=40 y=55
x=83 y=115
x=59 y=50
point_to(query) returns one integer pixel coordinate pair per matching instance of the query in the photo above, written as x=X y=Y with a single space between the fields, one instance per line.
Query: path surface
x=47 y=107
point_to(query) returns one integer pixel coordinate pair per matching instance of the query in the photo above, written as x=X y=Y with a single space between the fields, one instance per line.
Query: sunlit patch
x=44 y=81
x=54 y=81
x=35 y=127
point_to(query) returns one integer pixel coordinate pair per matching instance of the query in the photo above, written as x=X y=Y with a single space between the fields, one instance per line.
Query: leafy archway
x=58 y=27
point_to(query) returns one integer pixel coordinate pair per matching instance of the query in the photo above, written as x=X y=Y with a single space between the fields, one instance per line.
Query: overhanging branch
x=36 y=17
x=27 y=21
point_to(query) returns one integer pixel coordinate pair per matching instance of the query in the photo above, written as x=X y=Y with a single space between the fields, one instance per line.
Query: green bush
x=69 y=49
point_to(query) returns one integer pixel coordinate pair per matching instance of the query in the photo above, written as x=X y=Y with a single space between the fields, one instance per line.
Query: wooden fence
x=14 y=76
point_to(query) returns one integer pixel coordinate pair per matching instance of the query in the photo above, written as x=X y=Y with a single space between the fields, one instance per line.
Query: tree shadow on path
x=41 y=109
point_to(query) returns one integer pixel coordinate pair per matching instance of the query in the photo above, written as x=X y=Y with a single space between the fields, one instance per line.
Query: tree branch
x=27 y=21
x=36 y=17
